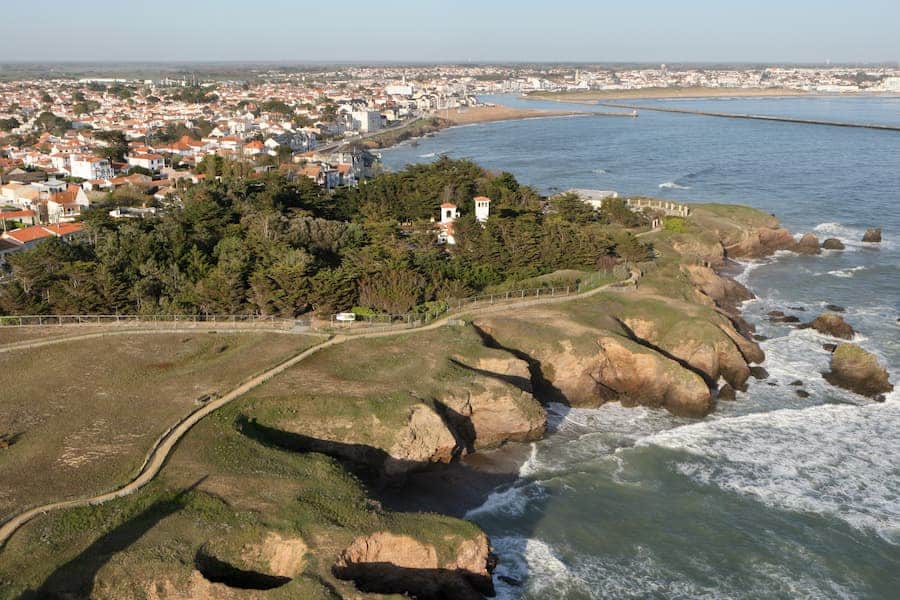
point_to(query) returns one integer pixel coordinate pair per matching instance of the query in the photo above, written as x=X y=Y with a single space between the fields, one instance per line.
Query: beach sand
x=485 y=114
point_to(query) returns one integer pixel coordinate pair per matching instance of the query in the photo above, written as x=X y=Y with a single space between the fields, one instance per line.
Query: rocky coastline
x=434 y=421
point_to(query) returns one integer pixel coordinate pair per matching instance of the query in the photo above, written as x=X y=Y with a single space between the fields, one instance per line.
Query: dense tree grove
x=270 y=246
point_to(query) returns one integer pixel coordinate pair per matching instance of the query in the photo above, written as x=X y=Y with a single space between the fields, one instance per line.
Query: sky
x=653 y=31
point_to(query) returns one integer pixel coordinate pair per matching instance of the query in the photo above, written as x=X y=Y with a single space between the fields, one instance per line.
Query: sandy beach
x=485 y=114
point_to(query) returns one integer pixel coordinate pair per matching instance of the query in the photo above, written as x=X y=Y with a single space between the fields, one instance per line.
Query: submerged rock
x=759 y=372
x=835 y=308
x=726 y=392
x=833 y=325
x=872 y=235
x=857 y=370
x=802 y=393
x=833 y=244
x=830 y=347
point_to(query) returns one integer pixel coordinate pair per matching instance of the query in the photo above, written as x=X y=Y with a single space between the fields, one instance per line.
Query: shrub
x=674 y=224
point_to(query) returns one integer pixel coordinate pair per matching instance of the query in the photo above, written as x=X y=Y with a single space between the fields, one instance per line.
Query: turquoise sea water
x=772 y=496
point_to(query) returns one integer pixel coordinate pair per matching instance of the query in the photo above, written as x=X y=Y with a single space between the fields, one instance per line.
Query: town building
x=151 y=162
x=91 y=167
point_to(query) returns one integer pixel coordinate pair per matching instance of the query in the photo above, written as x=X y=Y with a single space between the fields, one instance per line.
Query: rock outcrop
x=762 y=242
x=833 y=325
x=833 y=244
x=872 y=235
x=496 y=408
x=268 y=554
x=425 y=439
x=725 y=292
x=808 y=244
x=635 y=375
x=857 y=370
x=390 y=563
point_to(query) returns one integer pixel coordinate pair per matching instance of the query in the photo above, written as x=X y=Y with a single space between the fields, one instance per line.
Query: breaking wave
x=671 y=185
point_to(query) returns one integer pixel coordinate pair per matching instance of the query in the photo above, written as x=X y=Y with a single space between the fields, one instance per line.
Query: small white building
x=482 y=208
x=91 y=167
x=594 y=197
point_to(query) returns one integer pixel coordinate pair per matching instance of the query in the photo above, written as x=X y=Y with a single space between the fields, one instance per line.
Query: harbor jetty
x=707 y=113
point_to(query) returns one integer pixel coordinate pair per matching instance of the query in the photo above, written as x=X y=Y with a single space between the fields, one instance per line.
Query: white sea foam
x=850 y=236
x=534 y=564
x=533 y=569
x=510 y=502
x=671 y=185
x=600 y=171
x=847 y=273
x=836 y=460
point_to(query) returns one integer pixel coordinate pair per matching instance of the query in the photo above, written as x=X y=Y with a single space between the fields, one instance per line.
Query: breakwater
x=707 y=113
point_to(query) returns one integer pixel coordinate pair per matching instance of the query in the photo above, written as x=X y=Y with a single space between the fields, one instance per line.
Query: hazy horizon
x=568 y=31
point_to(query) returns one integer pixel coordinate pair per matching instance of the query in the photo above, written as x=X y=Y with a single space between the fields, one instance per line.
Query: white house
x=449 y=214
x=66 y=206
x=91 y=167
x=151 y=162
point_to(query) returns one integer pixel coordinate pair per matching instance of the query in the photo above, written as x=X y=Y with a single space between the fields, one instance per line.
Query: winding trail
x=166 y=443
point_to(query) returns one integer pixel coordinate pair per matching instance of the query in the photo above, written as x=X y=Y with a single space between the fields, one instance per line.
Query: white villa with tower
x=450 y=212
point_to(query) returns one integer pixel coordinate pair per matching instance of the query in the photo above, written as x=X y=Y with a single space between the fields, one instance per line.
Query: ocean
x=772 y=496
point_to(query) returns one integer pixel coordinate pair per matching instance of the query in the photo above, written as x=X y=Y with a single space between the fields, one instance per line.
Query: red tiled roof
x=16 y=214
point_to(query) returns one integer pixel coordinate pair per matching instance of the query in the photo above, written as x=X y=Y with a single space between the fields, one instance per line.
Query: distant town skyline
x=465 y=30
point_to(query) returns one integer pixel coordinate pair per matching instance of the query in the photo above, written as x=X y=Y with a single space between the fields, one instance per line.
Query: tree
x=571 y=208
x=140 y=171
x=49 y=122
x=87 y=107
x=116 y=145
x=615 y=211
x=394 y=290
x=9 y=124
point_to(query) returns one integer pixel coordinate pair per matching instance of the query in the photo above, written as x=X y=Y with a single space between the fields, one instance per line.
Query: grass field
x=82 y=414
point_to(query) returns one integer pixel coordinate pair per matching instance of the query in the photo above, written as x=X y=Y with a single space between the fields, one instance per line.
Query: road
x=332 y=146
x=161 y=450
